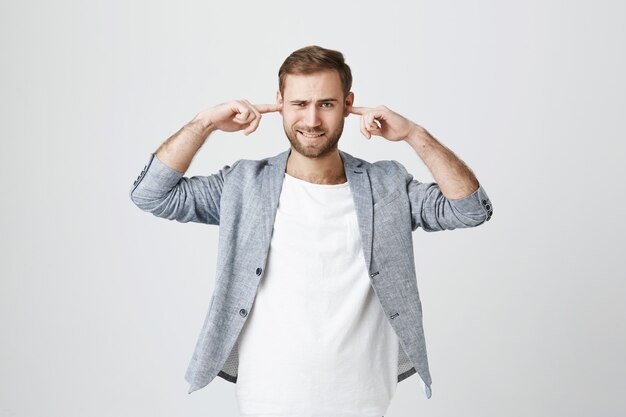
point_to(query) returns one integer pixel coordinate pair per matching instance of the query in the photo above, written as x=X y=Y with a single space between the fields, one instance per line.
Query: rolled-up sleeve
x=432 y=211
x=166 y=193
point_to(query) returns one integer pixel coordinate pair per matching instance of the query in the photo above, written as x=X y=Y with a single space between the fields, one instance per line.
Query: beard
x=326 y=145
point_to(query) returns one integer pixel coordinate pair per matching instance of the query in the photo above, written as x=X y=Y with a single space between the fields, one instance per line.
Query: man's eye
x=327 y=105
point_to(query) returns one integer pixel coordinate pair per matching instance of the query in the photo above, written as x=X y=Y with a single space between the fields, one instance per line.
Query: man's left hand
x=382 y=121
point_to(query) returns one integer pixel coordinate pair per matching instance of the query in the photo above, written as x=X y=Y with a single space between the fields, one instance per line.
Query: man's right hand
x=236 y=115
x=179 y=149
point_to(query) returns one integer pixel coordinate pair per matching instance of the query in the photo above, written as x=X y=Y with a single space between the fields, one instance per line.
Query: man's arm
x=179 y=149
x=454 y=178
x=161 y=188
x=456 y=199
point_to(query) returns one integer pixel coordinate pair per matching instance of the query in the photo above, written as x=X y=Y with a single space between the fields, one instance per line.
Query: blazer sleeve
x=166 y=193
x=432 y=211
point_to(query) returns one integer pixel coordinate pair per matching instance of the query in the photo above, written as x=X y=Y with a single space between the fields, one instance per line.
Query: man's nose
x=311 y=118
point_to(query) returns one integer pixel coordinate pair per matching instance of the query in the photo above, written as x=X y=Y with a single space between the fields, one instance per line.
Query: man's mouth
x=310 y=135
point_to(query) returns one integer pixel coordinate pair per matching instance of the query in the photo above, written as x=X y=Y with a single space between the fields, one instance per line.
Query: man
x=315 y=309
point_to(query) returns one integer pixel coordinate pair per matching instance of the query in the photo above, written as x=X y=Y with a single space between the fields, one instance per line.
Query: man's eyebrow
x=324 y=100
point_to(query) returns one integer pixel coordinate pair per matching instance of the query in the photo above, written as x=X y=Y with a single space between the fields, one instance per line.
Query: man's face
x=313 y=112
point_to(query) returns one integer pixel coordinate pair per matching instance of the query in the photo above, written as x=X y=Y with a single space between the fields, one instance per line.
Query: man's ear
x=349 y=101
x=279 y=101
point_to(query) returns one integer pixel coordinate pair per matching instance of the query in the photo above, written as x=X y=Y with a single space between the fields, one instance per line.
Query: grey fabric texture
x=243 y=198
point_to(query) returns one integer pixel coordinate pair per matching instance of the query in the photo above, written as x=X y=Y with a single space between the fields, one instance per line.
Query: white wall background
x=101 y=303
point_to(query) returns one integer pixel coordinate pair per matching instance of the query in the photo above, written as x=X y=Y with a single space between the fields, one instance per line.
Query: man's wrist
x=202 y=123
x=418 y=136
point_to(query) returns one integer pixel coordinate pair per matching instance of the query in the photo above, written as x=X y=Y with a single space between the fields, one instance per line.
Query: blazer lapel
x=358 y=179
x=271 y=186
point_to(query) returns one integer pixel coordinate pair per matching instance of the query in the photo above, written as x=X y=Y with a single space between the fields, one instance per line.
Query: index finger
x=267 y=108
x=359 y=110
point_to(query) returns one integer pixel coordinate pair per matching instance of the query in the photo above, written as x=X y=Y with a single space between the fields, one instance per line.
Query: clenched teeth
x=310 y=135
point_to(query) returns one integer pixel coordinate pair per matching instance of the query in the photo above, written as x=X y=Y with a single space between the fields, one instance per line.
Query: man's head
x=314 y=91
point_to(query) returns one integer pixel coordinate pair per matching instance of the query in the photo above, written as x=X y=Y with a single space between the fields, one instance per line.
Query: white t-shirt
x=316 y=341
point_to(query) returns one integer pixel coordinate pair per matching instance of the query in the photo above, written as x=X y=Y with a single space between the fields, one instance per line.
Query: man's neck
x=327 y=169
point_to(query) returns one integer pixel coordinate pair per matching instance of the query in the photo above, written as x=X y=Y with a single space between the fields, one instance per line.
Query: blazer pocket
x=387 y=199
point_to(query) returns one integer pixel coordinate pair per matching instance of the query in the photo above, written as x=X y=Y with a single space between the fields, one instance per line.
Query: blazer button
x=484 y=202
x=259 y=271
x=243 y=312
x=488 y=206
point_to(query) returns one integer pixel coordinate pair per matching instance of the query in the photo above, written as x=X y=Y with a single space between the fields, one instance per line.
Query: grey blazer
x=242 y=199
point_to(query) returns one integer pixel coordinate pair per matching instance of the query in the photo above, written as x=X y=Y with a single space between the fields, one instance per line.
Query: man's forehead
x=303 y=86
